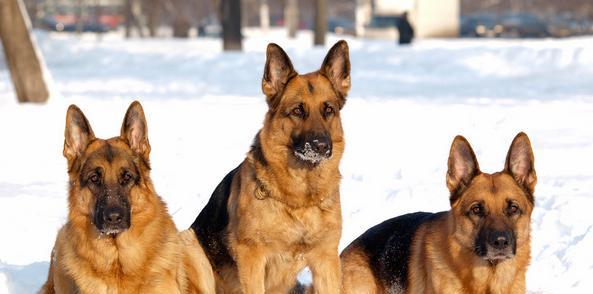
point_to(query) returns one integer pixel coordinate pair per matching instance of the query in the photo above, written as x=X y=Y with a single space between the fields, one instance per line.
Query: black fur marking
x=388 y=246
x=210 y=225
x=108 y=153
x=256 y=150
x=310 y=86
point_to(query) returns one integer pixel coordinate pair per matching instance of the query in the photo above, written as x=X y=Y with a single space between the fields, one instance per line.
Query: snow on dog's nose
x=313 y=148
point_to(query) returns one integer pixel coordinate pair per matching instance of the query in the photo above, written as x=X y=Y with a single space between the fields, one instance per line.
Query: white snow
x=405 y=107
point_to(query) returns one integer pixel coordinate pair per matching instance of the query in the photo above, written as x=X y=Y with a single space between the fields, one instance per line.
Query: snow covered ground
x=405 y=107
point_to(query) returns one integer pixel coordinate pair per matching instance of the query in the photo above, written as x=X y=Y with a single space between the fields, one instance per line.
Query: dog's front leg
x=325 y=266
x=251 y=267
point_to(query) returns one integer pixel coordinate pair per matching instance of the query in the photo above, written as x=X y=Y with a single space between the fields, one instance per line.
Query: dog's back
x=210 y=226
x=368 y=263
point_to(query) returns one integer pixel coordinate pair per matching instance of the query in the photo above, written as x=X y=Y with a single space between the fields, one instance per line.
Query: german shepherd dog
x=481 y=245
x=119 y=237
x=279 y=210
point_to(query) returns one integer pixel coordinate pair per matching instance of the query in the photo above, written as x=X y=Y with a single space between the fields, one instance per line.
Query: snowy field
x=405 y=107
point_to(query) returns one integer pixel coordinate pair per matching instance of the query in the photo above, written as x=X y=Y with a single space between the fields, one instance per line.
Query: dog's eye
x=126 y=177
x=328 y=111
x=95 y=179
x=298 y=111
x=477 y=209
x=513 y=209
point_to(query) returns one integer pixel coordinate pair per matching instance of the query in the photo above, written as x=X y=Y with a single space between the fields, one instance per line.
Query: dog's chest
x=299 y=229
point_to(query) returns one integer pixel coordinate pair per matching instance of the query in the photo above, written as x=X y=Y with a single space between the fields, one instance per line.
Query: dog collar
x=260 y=192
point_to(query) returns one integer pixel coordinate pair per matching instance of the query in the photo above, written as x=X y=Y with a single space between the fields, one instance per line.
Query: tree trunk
x=231 y=24
x=154 y=17
x=132 y=14
x=320 y=22
x=26 y=67
x=128 y=17
x=264 y=15
x=79 y=16
x=291 y=17
x=181 y=22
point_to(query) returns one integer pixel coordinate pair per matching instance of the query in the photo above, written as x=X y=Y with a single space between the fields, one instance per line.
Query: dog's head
x=303 y=120
x=492 y=211
x=106 y=176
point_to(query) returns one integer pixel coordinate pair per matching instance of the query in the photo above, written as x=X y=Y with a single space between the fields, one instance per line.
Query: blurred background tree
x=24 y=63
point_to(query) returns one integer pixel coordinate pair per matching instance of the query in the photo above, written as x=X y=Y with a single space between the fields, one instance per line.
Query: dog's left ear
x=277 y=72
x=520 y=162
x=134 y=130
x=336 y=67
x=462 y=167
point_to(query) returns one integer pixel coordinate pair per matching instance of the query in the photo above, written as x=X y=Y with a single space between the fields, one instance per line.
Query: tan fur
x=150 y=257
x=297 y=222
x=357 y=274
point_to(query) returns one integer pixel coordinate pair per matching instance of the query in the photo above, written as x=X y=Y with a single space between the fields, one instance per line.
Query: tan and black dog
x=119 y=237
x=279 y=210
x=481 y=245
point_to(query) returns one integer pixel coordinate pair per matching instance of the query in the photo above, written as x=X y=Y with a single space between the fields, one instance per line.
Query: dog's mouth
x=498 y=257
x=106 y=229
x=309 y=155
x=112 y=232
x=495 y=256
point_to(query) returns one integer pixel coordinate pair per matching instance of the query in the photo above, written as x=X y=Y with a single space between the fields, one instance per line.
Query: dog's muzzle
x=314 y=149
x=112 y=220
x=498 y=246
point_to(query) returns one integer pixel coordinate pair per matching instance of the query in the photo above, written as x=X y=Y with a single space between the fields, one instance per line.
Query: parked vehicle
x=480 y=25
x=566 y=25
x=341 y=26
x=509 y=25
x=209 y=27
x=523 y=25
x=65 y=20
x=382 y=27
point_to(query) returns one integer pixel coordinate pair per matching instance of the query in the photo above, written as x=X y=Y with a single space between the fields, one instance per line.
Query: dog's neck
x=294 y=184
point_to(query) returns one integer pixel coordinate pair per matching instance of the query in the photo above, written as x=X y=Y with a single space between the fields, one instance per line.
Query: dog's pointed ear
x=78 y=133
x=134 y=130
x=336 y=67
x=520 y=162
x=277 y=72
x=462 y=167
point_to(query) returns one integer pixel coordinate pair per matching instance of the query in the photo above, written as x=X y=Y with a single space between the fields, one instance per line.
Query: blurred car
x=210 y=27
x=523 y=25
x=341 y=26
x=509 y=25
x=382 y=27
x=566 y=25
x=64 y=20
x=480 y=25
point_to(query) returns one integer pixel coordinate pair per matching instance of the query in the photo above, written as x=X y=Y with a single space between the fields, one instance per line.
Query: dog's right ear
x=78 y=133
x=277 y=72
x=462 y=167
x=520 y=163
x=134 y=130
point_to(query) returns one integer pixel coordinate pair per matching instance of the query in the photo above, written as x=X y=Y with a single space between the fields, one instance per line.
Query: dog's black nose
x=113 y=216
x=321 y=145
x=500 y=239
